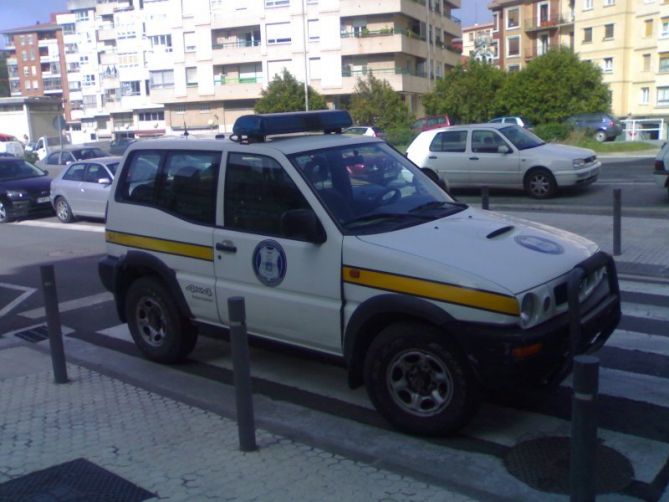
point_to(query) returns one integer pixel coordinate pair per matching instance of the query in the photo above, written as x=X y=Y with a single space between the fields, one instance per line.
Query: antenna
x=186 y=133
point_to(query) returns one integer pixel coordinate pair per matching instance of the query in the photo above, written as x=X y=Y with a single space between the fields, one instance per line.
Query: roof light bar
x=257 y=127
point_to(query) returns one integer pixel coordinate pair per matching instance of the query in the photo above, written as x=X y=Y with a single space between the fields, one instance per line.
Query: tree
x=466 y=93
x=286 y=94
x=374 y=102
x=4 y=76
x=553 y=87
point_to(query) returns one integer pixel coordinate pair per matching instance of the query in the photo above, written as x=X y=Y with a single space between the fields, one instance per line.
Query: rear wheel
x=157 y=326
x=600 y=136
x=540 y=184
x=419 y=381
x=63 y=210
x=4 y=215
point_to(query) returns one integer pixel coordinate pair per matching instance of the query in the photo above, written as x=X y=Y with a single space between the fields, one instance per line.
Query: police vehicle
x=340 y=244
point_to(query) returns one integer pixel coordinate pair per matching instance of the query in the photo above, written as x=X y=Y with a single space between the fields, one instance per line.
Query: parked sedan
x=56 y=161
x=82 y=188
x=603 y=126
x=24 y=189
x=500 y=155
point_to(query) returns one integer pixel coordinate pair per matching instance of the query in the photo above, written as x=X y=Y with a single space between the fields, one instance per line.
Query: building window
x=514 y=68
x=608 y=31
x=663 y=96
x=665 y=27
x=587 y=35
x=543 y=13
x=648 y=27
x=278 y=33
x=163 y=42
x=315 y=68
x=664 y=62
x=276 y=3
x=646 y=62
x=495 y=21
x=512 y=18
x=191 y=76
x=607 y=65
x=90 y=101
x=205 y=107
x=180 y=109
x=314 y=30
x=128 y=60
x=81 y=15
x=69 y=29
x=645 y=95
x=189 y=41
x=151 y=116
x=130 y=88
x=163 y=79
x=513 y=46
x=609 y=2
x=88 y=80
x=587 y=4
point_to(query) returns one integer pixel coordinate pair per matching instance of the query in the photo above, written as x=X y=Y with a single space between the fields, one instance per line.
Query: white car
x=502 y=156
x=10 y=145
x=662 y=167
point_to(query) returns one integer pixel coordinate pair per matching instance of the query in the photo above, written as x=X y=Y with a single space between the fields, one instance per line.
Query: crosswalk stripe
x=61 y=226
x=642 y=342
x=652 y=288
x=75 y=304
x=646 y=311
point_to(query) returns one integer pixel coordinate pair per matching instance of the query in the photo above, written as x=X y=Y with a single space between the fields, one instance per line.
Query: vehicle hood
x=523 y=255
x=34 y=185
x=559 y=151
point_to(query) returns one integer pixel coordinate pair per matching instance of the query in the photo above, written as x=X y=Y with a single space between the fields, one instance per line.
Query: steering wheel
x=388 y=196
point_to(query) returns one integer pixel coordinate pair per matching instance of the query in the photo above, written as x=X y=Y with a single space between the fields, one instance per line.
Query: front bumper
x=23 y=208
x=583 y=176
x=662 y=178
x=490 y=349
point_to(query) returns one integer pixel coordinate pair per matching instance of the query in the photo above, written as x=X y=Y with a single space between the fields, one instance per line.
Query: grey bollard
x=583 y=454
x=617 y=218
x=53 y=323
x=485 y=198
x=242 y=374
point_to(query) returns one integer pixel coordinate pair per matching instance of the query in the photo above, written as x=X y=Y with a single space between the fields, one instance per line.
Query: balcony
x=400 y=79
x=554 y=21
x=388 y=40
x=241 y=51
x=105 y=34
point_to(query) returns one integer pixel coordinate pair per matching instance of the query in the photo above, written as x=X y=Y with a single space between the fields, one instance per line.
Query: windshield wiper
x=386 y=216
x=454 y=207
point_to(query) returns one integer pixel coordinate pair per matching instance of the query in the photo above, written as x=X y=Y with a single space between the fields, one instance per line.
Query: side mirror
x=104 y=181
x=302 y=224
x=503 y=149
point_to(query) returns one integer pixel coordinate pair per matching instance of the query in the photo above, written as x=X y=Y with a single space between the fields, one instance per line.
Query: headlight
x=528 y=309
x=578 y=163
x=15 y=194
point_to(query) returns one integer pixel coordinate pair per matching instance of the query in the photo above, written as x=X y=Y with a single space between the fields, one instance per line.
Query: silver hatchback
x=82 y=188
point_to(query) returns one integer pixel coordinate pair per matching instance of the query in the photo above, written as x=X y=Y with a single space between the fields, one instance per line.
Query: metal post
x=485 y=198
x=583 y=453
x=53 y=323
x=617 y=217
x=242 y=374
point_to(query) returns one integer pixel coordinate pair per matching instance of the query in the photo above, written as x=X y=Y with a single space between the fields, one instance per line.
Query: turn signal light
x=527 y=351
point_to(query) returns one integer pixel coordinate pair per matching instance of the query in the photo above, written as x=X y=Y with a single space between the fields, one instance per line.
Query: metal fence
x=644 y=129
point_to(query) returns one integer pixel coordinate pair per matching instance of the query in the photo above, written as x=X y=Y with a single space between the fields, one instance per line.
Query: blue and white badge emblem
x=539 y=244
x=269 y=263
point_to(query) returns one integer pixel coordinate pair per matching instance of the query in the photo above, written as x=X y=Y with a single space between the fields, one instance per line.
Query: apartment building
x=525 y=29
x=478 y=43
x=36 y=64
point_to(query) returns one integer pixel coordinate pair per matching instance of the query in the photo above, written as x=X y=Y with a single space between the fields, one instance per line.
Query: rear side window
x=258 y=191
x=94 y=173
x=182 y=183
x=75 y=173
x=449 y=141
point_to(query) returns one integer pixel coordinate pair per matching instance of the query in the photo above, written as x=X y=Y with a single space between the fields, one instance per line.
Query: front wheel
x=419 y=381
x=63 y=210
x=4 y=214
x=157 y=326
x=540 y=184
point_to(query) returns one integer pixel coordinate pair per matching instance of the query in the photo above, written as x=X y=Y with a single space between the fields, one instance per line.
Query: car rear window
x=449 y=141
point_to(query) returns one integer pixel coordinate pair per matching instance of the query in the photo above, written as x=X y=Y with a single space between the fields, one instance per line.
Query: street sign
x=59 y=122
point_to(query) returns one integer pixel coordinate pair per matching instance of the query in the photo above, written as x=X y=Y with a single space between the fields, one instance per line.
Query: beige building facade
x=478 y=43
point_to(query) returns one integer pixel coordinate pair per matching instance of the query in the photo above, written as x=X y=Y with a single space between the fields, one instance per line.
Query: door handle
x=226 y=247
x=473 y=158
x=432 y=157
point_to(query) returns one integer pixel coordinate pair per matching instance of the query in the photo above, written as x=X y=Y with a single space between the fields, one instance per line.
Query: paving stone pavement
x=174 y=450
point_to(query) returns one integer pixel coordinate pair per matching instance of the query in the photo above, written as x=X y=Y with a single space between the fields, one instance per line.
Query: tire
x=540 y=184
x=600 y=136
x=4 y=215
x=410 y=363
x=63 y=210
x=157 y=326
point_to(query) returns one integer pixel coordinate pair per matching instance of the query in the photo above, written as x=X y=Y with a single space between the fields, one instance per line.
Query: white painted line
x=26 y=293
x=646 y=311
x=641 y=342
x=63 y=226
x=120 y=332
x=651 y=288
x=78 y=303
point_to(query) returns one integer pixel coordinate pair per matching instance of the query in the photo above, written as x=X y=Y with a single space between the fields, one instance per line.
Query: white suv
x=502 y=156
x=341 y=245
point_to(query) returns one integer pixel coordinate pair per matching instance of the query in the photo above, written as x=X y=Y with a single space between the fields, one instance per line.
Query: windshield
x=370 y=188
x=89 y=153
x=18 y=169
x=112 y=167
x=521 y=138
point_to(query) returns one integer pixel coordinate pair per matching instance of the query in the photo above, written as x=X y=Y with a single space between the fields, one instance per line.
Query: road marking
x=86 y=301
x=646 y=311
x=641 y=342
x=26 y=293
x=657 y=287
x=65 y=226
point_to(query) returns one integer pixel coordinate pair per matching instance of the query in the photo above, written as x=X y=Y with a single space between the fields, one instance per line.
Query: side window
x=449 y=141
x=188 y=185
x=258 y=191
x=75 y=172
x=138 y=182
x=54 y=158
x=94 y=172
x=486 y=141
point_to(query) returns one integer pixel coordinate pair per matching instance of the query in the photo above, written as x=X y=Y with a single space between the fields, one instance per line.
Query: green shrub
x=553 y=131
x=399 y=136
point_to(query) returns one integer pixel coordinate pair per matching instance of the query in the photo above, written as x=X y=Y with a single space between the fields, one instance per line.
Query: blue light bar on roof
x=259 y=126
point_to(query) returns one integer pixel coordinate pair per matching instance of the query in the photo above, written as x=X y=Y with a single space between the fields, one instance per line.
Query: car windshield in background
x=89 y=153
x=370 y=188
x=18 y=169
x=56 y=141
x=521 y=138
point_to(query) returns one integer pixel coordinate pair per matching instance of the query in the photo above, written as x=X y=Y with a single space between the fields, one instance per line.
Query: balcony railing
x=384 y=32
x=395 y=71
x=239 y=80
x=456 y=20
x=236 y=45
x=551 y=22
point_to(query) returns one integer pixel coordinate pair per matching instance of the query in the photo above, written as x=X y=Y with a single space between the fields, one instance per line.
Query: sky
x=17 y=13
